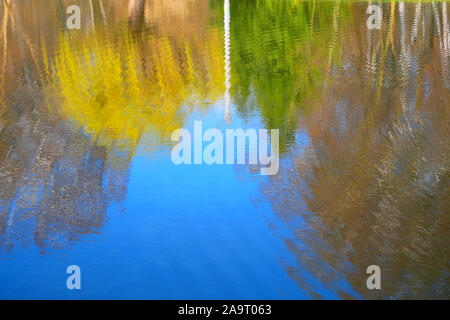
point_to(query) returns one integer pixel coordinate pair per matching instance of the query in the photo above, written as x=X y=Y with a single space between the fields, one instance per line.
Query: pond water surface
x=86 y=176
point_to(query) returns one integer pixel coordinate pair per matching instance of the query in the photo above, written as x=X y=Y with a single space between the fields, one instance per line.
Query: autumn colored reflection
x=85 y=123
x=86 y=101
x=372 y=187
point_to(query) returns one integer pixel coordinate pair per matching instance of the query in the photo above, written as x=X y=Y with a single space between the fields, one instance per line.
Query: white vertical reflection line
x=445 y=29
x=415 y=27
x=92 y=14
x=404 y=57
x=227 y=61
x=102 y=9
x=442 y=46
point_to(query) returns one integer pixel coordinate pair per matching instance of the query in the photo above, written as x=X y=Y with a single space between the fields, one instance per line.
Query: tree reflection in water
x=70 y=129
x=372 y=186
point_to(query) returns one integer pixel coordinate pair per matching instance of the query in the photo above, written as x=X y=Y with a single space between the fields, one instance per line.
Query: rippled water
x=86 y=176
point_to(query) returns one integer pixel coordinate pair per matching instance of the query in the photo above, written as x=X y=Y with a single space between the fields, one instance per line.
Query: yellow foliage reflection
x=115 y=86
